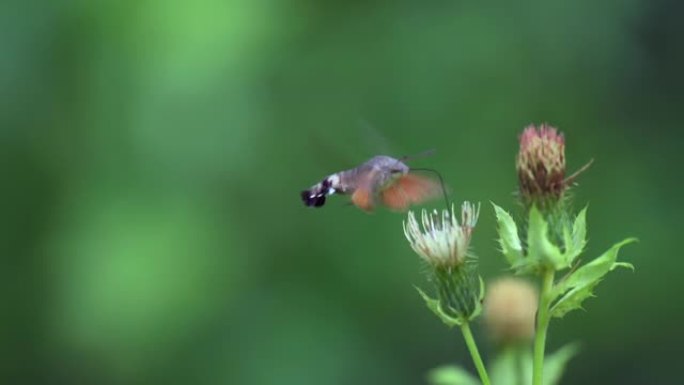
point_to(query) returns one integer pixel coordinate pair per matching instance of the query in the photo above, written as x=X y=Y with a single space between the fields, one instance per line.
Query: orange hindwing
x=363 y=198
x=409 y=189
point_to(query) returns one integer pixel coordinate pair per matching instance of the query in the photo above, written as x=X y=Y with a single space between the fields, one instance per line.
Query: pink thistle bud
x=541 y=164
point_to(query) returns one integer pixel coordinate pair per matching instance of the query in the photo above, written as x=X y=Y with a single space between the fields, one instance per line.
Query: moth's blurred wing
x=364 y=195
x=363 y=199
x=410 y=189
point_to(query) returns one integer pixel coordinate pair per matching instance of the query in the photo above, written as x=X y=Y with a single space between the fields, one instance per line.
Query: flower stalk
x=475 y=353
x=543 y=318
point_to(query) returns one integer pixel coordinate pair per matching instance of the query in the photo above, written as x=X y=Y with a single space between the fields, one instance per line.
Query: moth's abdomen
x=311 y=199
x=315 y=196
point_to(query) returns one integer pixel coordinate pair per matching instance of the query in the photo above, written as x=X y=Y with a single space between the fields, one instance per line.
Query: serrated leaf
x=573 y=300
x=451 y=375
x=433 y=304
x=478 y=305
x=482 y=288
x=554 y=364
x=578 y=285
x=526 y=266
x=509 y=241
x=539 y=246
x=575 y=241
x=625 y=265
x=595 y=269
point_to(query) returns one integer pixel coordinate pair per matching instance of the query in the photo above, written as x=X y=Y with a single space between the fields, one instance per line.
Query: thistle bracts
x=541 y=166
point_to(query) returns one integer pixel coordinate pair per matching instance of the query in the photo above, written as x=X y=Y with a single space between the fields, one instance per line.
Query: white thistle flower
x=442 y=241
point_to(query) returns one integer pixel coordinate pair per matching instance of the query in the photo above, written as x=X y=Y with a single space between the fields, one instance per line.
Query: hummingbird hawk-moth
x=380 y=180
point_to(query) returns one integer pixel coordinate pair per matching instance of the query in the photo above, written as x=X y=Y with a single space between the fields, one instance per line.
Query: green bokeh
x=154 y=152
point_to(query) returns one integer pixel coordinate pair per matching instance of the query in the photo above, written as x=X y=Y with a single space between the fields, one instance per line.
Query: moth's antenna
x=418 y=155
x=406 y=158
x=441 y=182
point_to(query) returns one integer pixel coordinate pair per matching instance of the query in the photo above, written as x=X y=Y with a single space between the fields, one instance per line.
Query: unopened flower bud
x=541 y=165
x=510 y=307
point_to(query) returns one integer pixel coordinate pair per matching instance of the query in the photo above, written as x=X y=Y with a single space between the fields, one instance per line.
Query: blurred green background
x=153 y=153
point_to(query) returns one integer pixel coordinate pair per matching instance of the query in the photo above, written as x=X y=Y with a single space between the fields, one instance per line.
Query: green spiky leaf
x=579 y=285
x=554 y=364
x=577 y=239
x=573 y=299
x=540 y=249
x=433 y=304
x=451 y=375
x=481 y=298
x=478 y=305
x=509 y=241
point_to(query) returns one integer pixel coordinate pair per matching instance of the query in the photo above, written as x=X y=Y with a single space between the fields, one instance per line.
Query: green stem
x=543 y=318
x=474 y=353
x=518 y=354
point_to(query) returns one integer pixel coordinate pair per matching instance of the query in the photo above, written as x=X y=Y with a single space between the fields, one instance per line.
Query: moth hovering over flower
x=380 y=180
